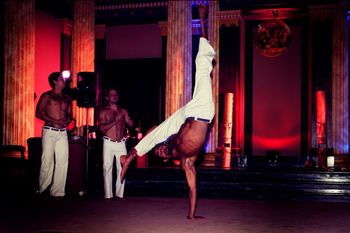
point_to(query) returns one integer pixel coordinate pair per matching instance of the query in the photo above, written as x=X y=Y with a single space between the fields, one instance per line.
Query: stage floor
x=167 y=215
x=265 y=200
x=267 y=183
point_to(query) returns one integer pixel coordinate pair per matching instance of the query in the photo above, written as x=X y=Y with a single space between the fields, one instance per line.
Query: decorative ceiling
x=117 y=12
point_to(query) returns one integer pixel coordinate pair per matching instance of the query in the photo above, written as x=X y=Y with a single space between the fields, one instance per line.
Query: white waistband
x=117 y=141
x=54 y=129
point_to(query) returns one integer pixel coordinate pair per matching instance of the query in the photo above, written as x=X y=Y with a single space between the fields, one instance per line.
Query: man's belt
x=110 y=139
x=54 y=129
x=199 y=119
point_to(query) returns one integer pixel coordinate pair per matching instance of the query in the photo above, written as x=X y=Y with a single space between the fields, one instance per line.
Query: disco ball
x=272 y=38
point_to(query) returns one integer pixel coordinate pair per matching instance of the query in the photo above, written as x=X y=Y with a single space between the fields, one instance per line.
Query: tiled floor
x=167 y=215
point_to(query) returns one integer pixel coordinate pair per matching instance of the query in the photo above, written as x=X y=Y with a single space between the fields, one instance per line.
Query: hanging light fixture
x=272 y=38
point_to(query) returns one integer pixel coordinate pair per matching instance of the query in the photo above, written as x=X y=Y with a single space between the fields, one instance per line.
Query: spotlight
x=72 y=92
x=66 y=74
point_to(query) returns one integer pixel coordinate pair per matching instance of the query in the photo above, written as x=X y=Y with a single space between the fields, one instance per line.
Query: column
x=19 y=43
x=213 y=36
x=83 y=54
x=179 y=56
x=340 y=81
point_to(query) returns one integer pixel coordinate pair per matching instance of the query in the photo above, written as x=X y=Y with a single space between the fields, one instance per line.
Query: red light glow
x=277 y=143
x=321 y=116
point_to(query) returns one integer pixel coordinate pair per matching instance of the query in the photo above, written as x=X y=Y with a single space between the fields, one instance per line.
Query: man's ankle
x=132 y=156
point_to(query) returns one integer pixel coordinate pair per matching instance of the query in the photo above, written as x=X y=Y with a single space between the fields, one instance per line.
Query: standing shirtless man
x=183 y=134
x=55 y=109
x=112 y=120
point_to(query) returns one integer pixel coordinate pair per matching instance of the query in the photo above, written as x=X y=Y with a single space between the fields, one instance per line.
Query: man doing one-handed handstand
x=183 y=134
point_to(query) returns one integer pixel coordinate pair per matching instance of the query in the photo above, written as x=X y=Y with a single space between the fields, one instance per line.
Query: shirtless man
x=183 y=134
x=55 y=109
x=112 y=120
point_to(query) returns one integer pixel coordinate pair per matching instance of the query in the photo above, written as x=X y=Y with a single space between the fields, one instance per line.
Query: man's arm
x=127 y=119
x=69 y=110
x=40 y=107
x=106 y=126
x=40 y=111
x=103 y=124
x=190 y=172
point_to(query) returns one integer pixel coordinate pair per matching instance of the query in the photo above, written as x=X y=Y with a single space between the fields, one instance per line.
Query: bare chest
x=113 y=115
x=57 y=102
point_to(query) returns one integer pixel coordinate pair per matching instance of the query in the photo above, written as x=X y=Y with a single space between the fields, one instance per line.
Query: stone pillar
x=179 y=56
x=339 y=137
x=213 y=36
x=19 y=44
x=340 y=81
x=83 y=55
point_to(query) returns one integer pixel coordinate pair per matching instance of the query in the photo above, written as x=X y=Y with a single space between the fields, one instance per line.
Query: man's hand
x=71 y=125
x=195 y=217
x=63 y=123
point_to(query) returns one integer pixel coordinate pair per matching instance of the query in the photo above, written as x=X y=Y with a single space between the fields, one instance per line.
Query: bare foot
x=125 y=166
x=203 y=11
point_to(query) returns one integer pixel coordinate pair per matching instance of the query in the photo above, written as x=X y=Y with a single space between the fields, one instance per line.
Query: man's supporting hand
x=195 y=217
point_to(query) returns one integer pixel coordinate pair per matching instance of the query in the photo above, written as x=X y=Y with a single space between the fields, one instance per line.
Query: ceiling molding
x=128 y=6
x=229 y=18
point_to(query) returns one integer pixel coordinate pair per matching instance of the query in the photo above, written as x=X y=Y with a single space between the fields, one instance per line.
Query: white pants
x=201 y=105
x=54 y=162
x=111 y=149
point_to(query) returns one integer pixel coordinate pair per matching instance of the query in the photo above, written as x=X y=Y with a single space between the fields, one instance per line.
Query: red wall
x=277 y=101
x=47 y=56
x=133 y=41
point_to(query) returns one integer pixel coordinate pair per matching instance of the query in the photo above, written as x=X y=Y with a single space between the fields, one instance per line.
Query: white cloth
x=111 y=149
x=54 y=162
x=201 y=105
